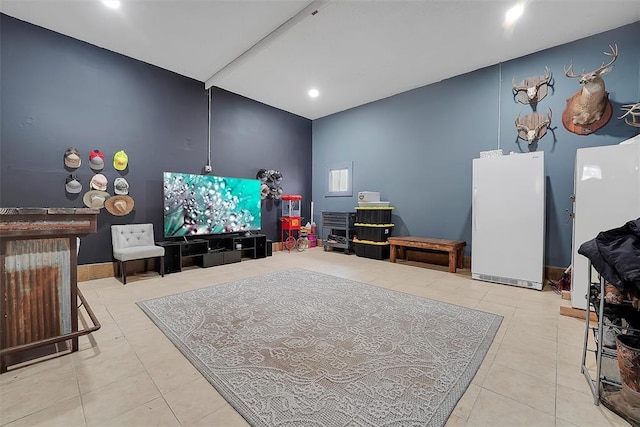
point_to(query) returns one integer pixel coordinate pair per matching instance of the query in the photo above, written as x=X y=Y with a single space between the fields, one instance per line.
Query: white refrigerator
x=607 y=195
x=508 y=220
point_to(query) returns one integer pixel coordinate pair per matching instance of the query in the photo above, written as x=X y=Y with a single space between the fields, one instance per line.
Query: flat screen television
x=197 y=205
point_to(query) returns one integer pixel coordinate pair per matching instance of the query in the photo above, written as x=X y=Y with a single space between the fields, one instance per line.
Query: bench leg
x=453 y=261
x=460 y=258
x=392 y=253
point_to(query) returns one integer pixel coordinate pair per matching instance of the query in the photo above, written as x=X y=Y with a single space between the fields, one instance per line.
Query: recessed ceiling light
x=112 y=4
x=514 y=13
x=314 y=93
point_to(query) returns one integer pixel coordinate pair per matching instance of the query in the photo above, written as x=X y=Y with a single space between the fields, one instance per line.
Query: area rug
x=301 y=348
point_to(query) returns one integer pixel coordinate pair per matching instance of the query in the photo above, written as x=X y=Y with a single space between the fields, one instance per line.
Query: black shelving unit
x=176 y=251
x=252 y=246
x=212 y=250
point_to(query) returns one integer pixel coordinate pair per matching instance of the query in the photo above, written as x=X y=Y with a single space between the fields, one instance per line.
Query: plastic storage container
x=369 y=196
x=373 y=215
x=373 y=250
x=374 y=232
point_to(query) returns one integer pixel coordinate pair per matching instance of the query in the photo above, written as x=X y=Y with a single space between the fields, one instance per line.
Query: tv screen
x=205 y=204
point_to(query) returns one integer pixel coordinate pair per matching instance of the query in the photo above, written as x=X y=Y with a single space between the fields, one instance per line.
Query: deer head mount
x=632 y=115
x=588 y=105
x=532 y=89
x=533 y=126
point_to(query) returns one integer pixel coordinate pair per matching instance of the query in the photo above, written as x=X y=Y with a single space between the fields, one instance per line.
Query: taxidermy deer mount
x=533 y=126
x=589 y=109
x=532 y=89
x=632 y=115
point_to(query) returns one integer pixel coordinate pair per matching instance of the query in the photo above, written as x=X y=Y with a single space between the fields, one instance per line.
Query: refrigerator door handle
x=474 y=208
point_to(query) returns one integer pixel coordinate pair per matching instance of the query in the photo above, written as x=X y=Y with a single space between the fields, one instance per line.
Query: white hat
x=120 y=186
x=99 y=182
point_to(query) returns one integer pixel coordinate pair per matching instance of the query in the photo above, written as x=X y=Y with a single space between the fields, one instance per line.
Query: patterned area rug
x=307 y=349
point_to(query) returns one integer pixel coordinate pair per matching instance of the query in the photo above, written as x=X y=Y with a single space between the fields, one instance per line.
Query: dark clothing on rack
x=615 y=254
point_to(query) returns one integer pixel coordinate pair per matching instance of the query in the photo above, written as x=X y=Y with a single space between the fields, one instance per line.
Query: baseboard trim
x=108 y=269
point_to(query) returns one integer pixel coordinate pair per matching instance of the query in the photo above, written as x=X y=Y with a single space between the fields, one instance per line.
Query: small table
x=453 y=247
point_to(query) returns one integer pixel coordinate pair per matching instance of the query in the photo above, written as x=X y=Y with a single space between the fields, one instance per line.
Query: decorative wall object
x=532 y=89
x=589 y=109
x=271 y=180
x=632 y=114
x=533 y=126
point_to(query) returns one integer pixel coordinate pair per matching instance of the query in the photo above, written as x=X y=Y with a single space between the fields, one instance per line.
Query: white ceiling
x=353 y=51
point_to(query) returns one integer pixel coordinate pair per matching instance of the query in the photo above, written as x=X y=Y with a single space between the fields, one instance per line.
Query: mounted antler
x=632 y=115
x=533 y=86
x=588 y=105
x=533 y=127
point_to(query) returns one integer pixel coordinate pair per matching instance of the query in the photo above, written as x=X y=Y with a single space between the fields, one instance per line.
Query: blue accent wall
x=59 y=92
x=416 y=148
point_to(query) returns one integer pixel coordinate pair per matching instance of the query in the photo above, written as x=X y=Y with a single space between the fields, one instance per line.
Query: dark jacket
x=615 y=254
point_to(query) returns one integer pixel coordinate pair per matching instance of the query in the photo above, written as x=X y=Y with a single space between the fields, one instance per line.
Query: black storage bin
x=269 y=247
x=377 y=215
x=211 y=259
x=232 y=256
x=374 y=232
x=373 y=250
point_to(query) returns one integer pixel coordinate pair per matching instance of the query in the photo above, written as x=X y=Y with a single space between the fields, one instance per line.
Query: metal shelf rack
x=597 y=303
x=338 y=229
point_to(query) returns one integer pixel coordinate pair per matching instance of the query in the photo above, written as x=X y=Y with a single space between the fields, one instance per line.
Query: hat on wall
x=73 y=184
x=72 y=158
x=95 y=198
x=96 y=160
x=120 y=186
x=119 y=205
x=120 y=160
x=99 y=182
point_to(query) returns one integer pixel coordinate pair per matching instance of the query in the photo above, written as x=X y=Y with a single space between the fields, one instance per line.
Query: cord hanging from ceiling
x=207 y=167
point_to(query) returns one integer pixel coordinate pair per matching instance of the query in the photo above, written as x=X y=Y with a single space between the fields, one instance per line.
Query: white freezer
x=607 y=195
x=508 y=219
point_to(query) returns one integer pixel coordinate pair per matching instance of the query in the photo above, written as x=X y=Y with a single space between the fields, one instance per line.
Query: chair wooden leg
x=124 y=272
x=161 y=266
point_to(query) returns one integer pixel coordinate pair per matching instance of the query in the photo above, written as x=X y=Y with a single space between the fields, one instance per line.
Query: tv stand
x=252 y=245
x=210 y=251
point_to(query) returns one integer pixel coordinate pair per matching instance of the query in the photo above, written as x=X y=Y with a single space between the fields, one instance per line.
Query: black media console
x=213 y=250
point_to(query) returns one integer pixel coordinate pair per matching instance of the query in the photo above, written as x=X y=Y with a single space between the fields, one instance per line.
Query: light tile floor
x=129 y=374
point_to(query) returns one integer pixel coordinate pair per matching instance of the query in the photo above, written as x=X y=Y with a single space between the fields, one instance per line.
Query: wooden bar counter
x=38 y=279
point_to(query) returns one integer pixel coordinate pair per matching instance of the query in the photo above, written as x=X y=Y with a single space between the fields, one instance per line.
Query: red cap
x=96 y=160
x=96 y=153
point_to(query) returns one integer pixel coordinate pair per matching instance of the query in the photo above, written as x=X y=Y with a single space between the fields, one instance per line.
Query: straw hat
x=119 y=205
x=95 y=198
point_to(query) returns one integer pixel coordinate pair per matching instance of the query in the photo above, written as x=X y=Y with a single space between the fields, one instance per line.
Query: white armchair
x=134 y=241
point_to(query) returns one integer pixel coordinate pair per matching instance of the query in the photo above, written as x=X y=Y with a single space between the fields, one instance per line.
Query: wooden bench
x=453 y=247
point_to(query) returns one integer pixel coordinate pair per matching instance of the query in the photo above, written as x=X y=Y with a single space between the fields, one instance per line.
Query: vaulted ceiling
x=352 y=51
